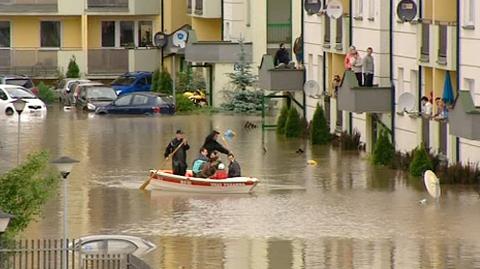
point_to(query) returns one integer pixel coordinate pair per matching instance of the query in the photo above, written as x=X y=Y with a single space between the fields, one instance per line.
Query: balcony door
x=279 y=25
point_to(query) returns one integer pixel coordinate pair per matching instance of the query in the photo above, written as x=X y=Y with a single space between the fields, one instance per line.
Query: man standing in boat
x=211 y=143
x=178 y=146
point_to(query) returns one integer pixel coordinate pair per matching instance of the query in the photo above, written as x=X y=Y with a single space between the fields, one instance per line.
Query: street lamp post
x=19 y=105
x=64 y=165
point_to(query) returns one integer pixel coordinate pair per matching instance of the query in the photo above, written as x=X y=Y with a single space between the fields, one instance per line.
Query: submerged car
x=133 y=82
x=65 y=89
x=147 y=103
x=90 y=97
x=114 y=244
x=22 y=81
x=10 y=93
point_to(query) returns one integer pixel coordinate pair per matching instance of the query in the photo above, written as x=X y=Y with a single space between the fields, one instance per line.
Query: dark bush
x=73 y=71
x=282 y=119
x=183 y=104
x=348 y=142
x=421 y=162
x=384 y=150
x=293 y=125
x=46 y=94
x=319 y=130
x=243 y=101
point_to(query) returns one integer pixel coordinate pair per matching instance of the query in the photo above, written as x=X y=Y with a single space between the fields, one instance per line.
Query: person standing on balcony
x=426 y=107
x=298 y=50
x=281 y=56
x=368 y=68
x=347 y=62
x=357 y=67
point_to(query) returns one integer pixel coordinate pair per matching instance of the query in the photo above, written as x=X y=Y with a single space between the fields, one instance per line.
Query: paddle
x=145 y=184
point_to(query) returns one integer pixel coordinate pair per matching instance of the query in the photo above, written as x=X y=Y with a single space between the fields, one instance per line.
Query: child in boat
x=199 y=162
x=233 y=167
x=221 y=173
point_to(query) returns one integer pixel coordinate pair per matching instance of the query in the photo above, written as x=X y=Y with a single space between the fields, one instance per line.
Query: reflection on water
x=342 y=213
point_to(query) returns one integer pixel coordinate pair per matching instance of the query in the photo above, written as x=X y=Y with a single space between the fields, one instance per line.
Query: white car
x=64 y=89
x=114 y=244
x=10 y=93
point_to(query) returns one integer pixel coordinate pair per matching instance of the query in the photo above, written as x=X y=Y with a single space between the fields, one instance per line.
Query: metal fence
x=28 y=5
x=49 y=254
x=279 y=33
x=107 y=61
x=107 y=3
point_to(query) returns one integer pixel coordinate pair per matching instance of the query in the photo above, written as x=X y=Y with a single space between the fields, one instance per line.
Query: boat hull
x=166 y=181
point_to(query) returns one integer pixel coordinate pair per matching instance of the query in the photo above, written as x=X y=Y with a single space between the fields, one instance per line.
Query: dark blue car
x=133 y=82
x=141 y=103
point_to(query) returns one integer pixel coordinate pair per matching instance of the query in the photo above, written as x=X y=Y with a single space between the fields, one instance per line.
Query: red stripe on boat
x=202 y=183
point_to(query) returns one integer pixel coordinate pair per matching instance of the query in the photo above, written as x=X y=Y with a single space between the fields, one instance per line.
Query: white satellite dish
x=406 y=103
x=432 y=184
x=312 y=89
x=334 y=9
x=180 y=38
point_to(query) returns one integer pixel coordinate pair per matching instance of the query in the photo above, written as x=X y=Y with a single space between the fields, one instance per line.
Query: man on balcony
x=368 y=68
x=281 y=56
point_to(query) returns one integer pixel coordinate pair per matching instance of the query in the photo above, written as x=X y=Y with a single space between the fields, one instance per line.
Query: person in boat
x=211 y=143
x=233 y=167
x=210 y=168
x=179 y=159
x=221 y=172
x=199 y=162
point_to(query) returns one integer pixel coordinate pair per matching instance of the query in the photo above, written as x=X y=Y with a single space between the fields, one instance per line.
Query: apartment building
x=107 y=37
x=421 y=48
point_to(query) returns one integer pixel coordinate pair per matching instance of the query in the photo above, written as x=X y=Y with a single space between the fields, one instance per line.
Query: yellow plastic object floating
x=311 y=162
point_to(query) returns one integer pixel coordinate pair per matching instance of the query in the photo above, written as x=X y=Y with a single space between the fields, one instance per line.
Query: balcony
x=336 y=36
x=30 y=62
x=464 y=118
x=357 y=99
x=209 y=9
x=279 y=79
x=108 y=5
x=28 y=6
x=110 y=62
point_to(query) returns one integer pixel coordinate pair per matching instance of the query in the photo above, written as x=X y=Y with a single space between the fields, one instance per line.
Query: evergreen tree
x=162 y=82
x=73 y=70
x=384 y=151
x=421 y=162
x=293 y=126
x=282 y=119
x=319 y=132
x=242 y=77
x=155 y=81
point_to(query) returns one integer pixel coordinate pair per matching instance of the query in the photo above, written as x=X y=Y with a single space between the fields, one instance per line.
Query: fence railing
x=50 y=254
x=279 y=33
x=107 y=3
x=28 y=5
x=107 y=61
x=31 y=62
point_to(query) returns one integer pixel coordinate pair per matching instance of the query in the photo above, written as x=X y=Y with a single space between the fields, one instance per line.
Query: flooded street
x=343 y=213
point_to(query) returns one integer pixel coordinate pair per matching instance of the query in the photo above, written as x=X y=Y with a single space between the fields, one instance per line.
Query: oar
x=145 y=184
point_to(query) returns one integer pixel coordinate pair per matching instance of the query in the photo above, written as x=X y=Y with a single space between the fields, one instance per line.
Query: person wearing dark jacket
x=211 y=144
x=281 y=56
x=179 y=159
x=233 y=167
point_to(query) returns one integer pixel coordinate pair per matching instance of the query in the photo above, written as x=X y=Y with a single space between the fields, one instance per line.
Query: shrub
x=242 y=77
x=319 y=130
x=349 y=141
x=282 y=119
x=401 y=161
x=421 y=162
x=293 y=125
x=459 y=174
x=46 y=94
x=384 y=151
x=25 y=189
x=247 y=101
x=183 y=104
x=73 y=71
x=188 y=81
x=162 y=82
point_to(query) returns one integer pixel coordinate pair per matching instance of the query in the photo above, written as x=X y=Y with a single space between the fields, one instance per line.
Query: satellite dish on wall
x=313 y=6
x=406 y=103
x=160 y=40
x=312 y=89
x=407 y=10
x=180 y=39
x=334 y=9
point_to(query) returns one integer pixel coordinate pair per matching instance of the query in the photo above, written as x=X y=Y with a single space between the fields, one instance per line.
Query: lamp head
x=4 y=220
x=64 y=165
x=19 y=105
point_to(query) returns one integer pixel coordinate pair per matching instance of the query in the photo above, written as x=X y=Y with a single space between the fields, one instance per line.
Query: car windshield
x=24 y=82
x=16 y=93
x=164 y=100
x=123 y=81
x=101 y=93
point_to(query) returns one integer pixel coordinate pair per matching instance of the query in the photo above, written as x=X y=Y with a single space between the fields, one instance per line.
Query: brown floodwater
x=343 y=213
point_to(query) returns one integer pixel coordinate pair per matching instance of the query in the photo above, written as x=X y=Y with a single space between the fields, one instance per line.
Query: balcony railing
x=425 y=46
x=279 y=33
x=30 y=62
x=107 y=61
x=28 y=6
x=107 y=4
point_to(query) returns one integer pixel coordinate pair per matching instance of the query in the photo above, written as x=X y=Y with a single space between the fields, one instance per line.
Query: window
x=371 y=9
x=145 y=31
x=425 y=48
x=3 y=95
x=443 y=40
x=126 y=34
x=470 y=86
x=413 y=81
x=469 y=13
x=359 y=8
x=108 y=34
x=50 y=34
x=400 y=80
x=227 y=30
x=123 y=101
x=319 y=67
x=310 y=66
x=326 y=37
x=140 y=100
x=4 y=34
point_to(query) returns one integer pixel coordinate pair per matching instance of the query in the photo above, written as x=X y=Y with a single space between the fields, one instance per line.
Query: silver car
x=114 y=244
